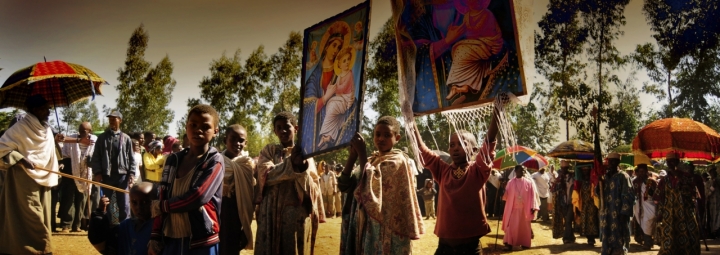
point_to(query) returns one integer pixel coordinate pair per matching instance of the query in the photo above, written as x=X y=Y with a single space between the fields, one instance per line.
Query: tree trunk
x=670 y=101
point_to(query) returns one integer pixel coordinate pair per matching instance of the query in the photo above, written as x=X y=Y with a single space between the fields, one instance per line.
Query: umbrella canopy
x=634 y=159
x=536 y=162
x=573 y=150
x=60 y=83
x=510 y=157
x=692 y=140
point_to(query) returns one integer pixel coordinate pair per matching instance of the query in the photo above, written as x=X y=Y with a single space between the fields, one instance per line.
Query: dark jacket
x=100 y=162
x=201 y=202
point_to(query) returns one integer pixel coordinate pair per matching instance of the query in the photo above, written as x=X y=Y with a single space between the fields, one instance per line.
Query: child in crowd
x=288 y=194
x=238 y=192
x=385 y=214
x=428 y=194
x=177 y=147
x=138 y=158
x=168 y=142
x=188 y=210
x=461 y=203
x=153 y=161
x=133 y=234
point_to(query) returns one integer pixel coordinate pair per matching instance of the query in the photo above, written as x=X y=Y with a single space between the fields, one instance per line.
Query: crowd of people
x=183 y=196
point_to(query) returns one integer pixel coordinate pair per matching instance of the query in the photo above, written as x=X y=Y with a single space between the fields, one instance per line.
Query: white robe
x=35 y=141
x=647 y=219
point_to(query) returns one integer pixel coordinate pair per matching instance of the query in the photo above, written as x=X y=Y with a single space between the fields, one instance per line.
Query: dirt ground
x=328 y=242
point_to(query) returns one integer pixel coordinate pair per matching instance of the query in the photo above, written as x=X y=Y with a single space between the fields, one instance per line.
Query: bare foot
x=453 y=92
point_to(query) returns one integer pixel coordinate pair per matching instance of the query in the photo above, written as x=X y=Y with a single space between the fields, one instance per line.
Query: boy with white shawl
x=25 y=213
x=238 y=191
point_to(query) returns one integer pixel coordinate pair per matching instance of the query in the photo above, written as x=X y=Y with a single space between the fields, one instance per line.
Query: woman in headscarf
x=168 y=141
x=154 y=161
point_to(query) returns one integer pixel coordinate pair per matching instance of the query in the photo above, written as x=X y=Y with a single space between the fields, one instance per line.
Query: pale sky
x=193 y=33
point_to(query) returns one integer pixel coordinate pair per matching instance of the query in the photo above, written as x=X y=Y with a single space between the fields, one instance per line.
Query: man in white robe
x=25 y=213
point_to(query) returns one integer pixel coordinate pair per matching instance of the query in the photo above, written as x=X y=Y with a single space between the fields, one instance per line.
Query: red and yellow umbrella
x=692 y=140
x=536 y=162
x=60 y=83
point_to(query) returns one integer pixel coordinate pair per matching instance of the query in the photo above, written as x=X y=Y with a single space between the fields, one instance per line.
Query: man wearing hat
x=25 y=214
x=615 y=215
x=113 y=163
x=564 y=216
x=678 y=228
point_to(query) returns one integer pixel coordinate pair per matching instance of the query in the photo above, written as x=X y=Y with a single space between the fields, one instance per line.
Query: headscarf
x=155 y=144
x=168 y=145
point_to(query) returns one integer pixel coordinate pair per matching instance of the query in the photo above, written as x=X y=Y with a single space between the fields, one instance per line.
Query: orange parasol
x=692 y=140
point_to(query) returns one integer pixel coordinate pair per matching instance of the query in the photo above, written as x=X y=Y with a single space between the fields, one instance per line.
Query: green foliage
x=382 y=72
x=558 y=45
x=285 y=65
x=191 y=102
x=535 y=127
x=685 y=55
x=624 y=115
x=603 y=20
x=252 y=91
x=79 y=112
x=144 y=92
x=6 y=118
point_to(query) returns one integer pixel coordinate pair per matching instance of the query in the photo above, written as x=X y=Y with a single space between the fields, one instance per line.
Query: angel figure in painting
x=472 y=56
x=339 y=96
x=313 y=54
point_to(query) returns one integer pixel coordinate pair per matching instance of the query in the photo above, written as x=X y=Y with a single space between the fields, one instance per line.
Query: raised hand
x=358 y=145
x=297 y=156
x=104 y=202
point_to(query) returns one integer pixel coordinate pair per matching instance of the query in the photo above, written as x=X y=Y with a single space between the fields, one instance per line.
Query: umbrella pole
x=55 y=108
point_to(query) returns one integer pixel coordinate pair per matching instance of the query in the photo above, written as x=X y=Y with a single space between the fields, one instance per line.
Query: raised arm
x=431 y=161
x=493 y=128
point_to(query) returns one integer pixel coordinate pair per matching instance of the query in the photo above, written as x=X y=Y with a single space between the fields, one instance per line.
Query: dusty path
x=328 y=242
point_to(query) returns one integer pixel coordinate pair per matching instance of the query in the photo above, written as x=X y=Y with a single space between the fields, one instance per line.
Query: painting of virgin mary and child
x=332 y=81
x=466 y=51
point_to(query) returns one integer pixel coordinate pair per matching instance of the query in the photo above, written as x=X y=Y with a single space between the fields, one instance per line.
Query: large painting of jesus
x=465 y=51
x=334 y=56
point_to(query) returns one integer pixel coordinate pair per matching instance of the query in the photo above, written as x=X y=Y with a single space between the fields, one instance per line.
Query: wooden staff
x=82 y=180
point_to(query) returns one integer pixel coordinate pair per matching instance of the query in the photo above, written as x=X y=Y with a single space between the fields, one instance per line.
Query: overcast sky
x=96 y=33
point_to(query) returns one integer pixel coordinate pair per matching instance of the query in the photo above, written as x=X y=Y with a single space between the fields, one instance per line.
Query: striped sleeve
x=201 y=191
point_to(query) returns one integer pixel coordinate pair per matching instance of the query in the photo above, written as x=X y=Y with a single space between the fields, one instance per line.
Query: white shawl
x=36 y=143
x=80 y=168
x=239 y=178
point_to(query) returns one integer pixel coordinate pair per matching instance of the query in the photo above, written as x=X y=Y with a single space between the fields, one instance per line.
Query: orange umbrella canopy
x=692 y=140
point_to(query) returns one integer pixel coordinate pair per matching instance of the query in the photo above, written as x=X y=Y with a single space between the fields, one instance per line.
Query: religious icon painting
x=333 y=80
x=458 y=53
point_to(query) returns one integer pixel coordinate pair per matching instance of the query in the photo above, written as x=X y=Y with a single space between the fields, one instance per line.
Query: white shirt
x=542 y=181
x=327 y=183
x=138 y=159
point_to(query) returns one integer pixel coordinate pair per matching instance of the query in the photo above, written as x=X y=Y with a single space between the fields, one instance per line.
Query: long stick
x=82 y=180
x=497 y=228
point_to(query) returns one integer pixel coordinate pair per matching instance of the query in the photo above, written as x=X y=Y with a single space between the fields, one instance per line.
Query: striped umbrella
x=60 y=83
x=536 y=162
x=510 y=157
